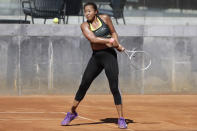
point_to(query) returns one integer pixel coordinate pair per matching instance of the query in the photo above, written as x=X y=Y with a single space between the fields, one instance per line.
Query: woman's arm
x=113 y=32
x=92 y=38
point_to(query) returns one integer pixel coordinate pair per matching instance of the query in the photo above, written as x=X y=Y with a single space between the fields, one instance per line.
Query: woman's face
x=90 y=12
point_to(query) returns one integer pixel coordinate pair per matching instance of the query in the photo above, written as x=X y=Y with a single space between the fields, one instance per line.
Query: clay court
x=98 y=113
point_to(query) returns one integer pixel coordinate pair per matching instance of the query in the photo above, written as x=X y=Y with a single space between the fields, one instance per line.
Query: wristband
x=111 y=40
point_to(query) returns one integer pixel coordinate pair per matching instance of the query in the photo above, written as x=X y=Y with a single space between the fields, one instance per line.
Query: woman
x=103 y=38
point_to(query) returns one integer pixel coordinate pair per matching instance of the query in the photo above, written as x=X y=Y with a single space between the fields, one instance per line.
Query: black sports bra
x=103 y=30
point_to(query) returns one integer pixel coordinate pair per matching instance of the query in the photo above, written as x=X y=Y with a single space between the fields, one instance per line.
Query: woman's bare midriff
x=98 y=46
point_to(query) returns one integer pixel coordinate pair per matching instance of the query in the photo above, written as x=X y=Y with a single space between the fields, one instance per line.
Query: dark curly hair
x=92 y=4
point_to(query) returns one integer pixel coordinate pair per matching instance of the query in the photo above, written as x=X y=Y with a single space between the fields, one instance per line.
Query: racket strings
x=140 y=60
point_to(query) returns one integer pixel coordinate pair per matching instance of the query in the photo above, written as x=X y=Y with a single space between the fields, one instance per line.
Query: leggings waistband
x=105 y=50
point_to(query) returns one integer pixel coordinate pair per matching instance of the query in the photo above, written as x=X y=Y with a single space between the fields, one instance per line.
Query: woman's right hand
x=111 y=40
x=110 y=43
x=115 y=44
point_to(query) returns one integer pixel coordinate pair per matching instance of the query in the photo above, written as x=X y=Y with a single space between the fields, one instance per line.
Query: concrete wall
x=50 y=59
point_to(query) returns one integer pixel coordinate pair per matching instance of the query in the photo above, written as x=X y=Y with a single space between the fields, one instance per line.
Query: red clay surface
x=98 y=113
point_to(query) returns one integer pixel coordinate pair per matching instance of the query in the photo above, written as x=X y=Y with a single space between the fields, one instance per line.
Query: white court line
x=21 y=119
x=16 y=119
x=32 y=112
x=85 y=118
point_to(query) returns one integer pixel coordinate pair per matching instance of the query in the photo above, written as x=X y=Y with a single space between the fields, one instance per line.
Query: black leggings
x=102 y=59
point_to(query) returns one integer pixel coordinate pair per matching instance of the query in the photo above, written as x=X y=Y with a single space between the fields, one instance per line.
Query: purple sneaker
x=69 y=117
x=121 y=123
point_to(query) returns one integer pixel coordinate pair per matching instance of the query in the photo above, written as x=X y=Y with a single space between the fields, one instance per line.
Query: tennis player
x=103 y=38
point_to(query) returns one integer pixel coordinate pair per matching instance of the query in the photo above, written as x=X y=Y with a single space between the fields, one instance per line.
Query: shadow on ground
x=103 y=121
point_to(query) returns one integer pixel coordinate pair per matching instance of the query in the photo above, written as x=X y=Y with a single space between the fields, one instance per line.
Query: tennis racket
x=140 y=60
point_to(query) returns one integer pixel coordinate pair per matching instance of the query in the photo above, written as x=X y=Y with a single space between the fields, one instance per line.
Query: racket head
x=140 y=60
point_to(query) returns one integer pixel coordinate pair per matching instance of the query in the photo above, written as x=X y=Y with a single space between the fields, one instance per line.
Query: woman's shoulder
x=84 y=24
x=104 y=17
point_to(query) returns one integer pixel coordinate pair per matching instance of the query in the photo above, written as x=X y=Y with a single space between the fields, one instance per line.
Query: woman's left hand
x=120 y=48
